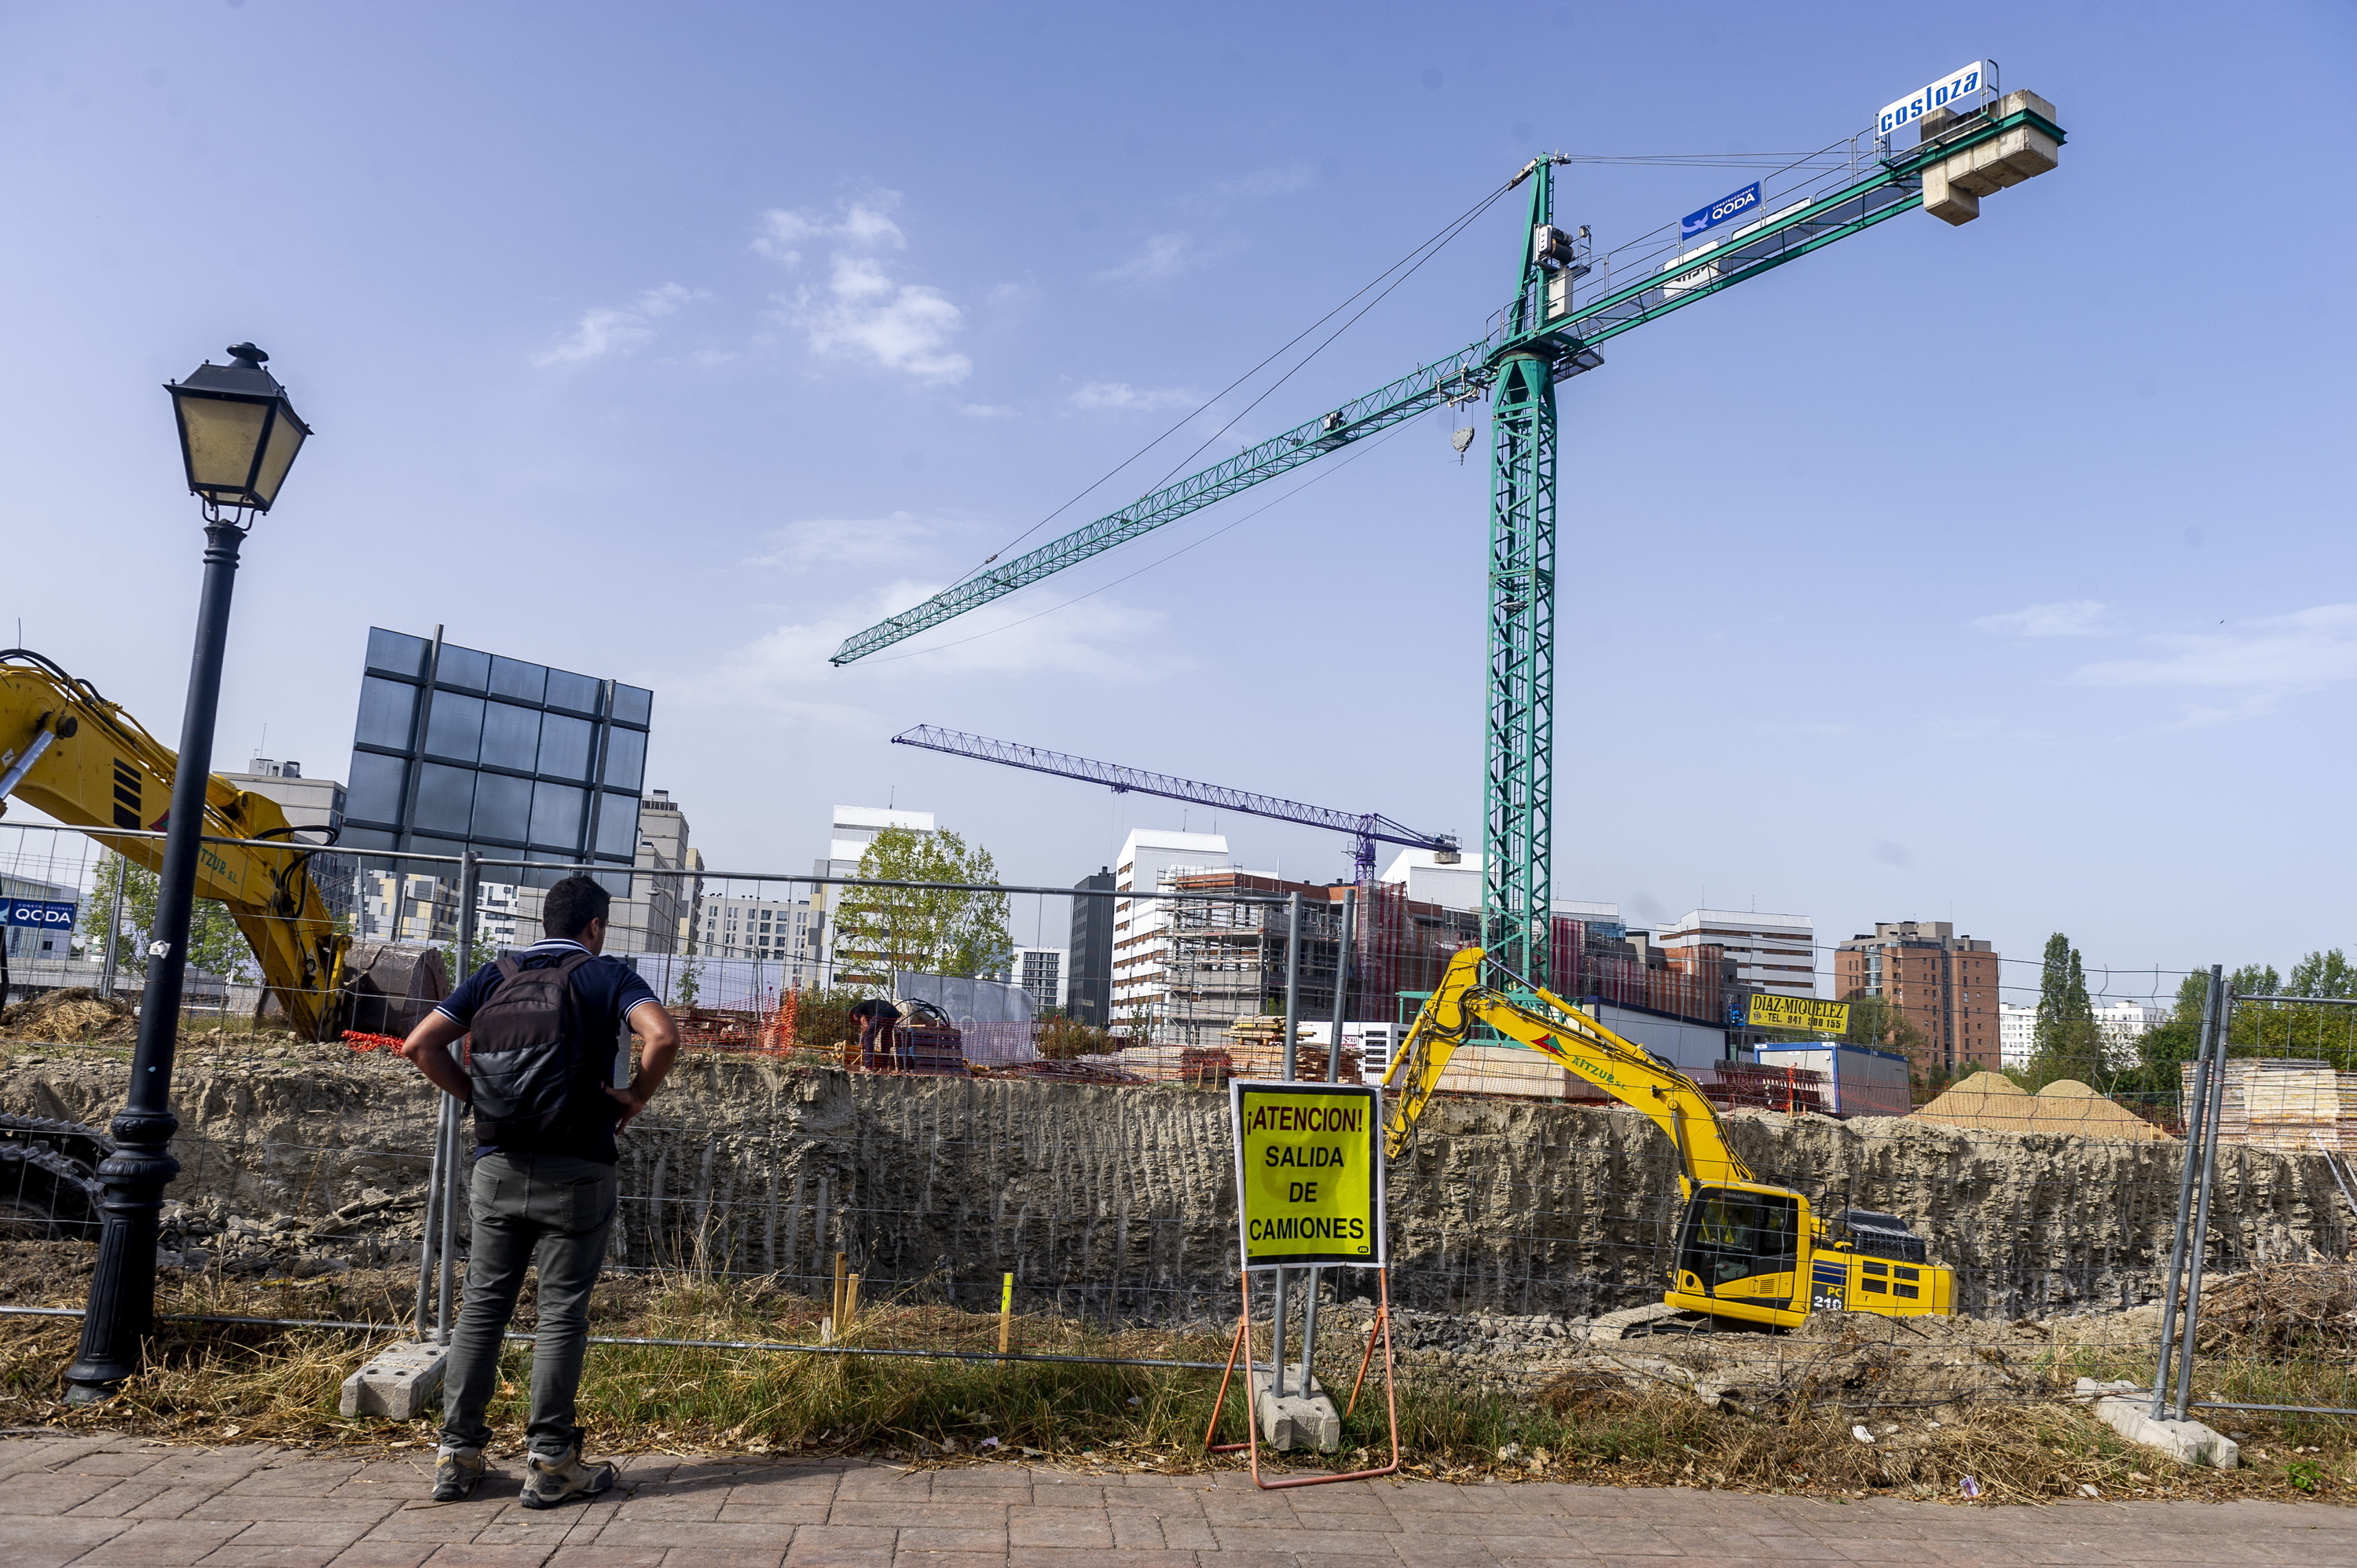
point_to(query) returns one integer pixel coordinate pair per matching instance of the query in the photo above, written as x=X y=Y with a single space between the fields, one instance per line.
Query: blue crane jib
x=1367 y=828
x=1545 y=335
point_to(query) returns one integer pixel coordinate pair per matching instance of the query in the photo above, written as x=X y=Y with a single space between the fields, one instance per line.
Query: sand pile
x=76 y=1013
x=1990 y=1102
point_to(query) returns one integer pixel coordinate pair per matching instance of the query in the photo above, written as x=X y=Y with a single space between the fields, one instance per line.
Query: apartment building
x=784 y=931
x=2119 y=1025
x=1771 y=952
x=1945 y=985
x=1141 y=927
x=1041 y=972
x=1088 y=987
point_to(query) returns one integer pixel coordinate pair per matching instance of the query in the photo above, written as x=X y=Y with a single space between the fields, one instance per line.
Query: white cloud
x=989 y=411
x=781 y=668
x=1162 y=258
x=618 y=328
x=1257 y=186
x=859 y=541
x=2072 y=617
x=1122 y=395
x=862 y=310
x=2257 y=665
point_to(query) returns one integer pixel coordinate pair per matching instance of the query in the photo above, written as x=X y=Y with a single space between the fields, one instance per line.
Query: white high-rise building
x=1041 y=972
x=853 y=829
x=2119 y=1025
x=1774 y=952
x=2016 y=1035
x=781 y=930
x=1140 y=939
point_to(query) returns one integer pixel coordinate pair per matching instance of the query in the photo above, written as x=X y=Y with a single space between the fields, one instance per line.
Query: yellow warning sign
x=1309 y=1176
x=1771 y=1011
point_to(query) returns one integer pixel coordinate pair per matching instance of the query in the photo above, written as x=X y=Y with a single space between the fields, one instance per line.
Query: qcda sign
x=35 y=912
x=1719 y=212
x=1309 y=1176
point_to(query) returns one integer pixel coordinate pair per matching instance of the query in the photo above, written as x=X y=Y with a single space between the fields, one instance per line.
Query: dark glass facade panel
x=445 y=800
x=574 y=693
x=463 y=668
x=633 y=705
x=454 y=728
x=387 y=708
x=397 y=653
x=617 y=825
x=502 y=808
x=511 y=736
x=514 y=678
x=626 y=759
x=556 y=810
x=357 y=838
x=377 y=785
x=565 y=745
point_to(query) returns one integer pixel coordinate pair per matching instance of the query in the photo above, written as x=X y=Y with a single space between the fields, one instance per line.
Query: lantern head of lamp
x=238 y=432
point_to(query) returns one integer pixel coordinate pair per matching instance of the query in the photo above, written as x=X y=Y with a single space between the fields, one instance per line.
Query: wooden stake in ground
x=834 y=1323
x=850 y=1302
x=1005 y=1313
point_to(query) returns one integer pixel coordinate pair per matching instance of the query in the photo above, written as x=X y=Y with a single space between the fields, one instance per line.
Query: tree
x=215 y=944
x=1877 y=1023
x=2069 y=1043
x=922 y=931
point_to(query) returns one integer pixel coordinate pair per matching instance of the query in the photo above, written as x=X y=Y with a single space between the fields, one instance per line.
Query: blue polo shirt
x=604 y=991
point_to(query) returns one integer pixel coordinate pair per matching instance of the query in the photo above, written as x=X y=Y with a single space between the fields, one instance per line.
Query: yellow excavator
x=1745 y=1250
x=67 y=751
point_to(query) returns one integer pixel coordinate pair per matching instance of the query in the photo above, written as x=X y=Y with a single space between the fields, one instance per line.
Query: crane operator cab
x=1757 y=1255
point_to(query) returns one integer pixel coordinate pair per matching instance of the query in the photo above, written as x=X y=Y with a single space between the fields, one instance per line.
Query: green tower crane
x=1546 y=334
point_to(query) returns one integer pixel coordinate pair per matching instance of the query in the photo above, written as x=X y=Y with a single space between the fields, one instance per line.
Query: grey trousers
x=529 y=1209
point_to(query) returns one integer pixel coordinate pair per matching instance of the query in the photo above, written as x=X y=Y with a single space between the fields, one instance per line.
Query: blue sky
x=1996 y=572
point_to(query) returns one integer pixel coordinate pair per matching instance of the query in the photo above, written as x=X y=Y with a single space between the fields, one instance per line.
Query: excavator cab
x=1741 y=1252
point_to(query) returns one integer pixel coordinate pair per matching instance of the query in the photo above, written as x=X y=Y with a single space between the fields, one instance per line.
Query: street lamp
x=239 y=435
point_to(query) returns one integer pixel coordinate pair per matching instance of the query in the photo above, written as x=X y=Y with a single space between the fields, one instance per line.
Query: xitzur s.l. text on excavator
x=1747 y=1250
x=67 y=751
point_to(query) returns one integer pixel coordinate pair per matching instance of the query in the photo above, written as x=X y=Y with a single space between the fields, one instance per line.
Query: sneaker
x=456 y=1472
x=553 y=1481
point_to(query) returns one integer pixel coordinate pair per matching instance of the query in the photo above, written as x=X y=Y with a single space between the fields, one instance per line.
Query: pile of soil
x=76 y=1015
x=1993 y=1103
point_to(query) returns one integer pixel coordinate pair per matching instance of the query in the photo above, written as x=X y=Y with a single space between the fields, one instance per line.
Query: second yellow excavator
x=66 y=750
x=1745 y=1250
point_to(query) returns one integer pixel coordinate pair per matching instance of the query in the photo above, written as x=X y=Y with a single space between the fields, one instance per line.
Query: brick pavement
x=102 y=1502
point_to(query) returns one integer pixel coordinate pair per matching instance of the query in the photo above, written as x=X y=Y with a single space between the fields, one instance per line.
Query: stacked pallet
x=1506 y=1069
x=1255 y=1048
x=2276 y=1102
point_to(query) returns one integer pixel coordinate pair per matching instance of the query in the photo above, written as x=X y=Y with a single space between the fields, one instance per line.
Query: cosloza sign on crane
x=1948 y=92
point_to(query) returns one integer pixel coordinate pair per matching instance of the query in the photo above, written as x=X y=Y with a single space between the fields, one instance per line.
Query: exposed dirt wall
x=1503 y=1206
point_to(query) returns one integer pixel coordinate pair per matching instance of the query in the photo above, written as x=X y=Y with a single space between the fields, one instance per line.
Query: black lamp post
x=238 y=438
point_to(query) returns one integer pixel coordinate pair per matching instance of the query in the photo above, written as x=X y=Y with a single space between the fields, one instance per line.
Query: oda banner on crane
x=1732 y=205
x=1309 y=1173
x=1948 y=92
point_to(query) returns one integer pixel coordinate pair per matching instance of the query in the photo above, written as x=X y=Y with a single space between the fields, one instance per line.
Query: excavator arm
x=66 y=750
x=1562 y=1033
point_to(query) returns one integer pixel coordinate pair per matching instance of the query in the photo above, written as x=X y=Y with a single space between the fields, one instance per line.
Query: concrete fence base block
x=1299 y=1419
x=399 y=1382
x=2128 y=1410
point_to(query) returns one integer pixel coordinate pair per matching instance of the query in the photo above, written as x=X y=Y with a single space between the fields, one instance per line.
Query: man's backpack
x=526 y=1063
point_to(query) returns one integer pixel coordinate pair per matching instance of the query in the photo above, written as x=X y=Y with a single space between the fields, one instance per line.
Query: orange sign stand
x=1242 y=1344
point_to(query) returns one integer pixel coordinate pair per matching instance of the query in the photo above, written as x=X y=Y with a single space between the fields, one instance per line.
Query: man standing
x=548 y=1030
x=876 y=1017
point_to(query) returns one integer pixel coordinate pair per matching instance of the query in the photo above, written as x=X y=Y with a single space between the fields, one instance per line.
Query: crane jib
x=1893 y=186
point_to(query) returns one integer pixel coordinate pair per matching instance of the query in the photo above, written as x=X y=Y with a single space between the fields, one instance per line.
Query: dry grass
x=215 y=1382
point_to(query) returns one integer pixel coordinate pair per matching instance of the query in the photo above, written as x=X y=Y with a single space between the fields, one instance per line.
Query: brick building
x=1945 y=985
